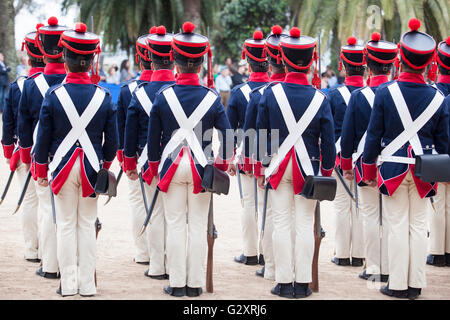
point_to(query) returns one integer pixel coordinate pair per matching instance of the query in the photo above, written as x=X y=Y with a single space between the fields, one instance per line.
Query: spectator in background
x=125 y=71
x=240 y=76
x=341 y=78
x=112 y=76
x=223 y=85
x=21 y=69
x=332 y=79
x=4 y=80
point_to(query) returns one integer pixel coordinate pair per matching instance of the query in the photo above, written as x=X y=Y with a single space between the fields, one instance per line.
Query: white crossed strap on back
x=296 y=129
x=345 y=93
x=187 y=125
x=411 y=128
x=132 y=86
x=146 y=104
x=43 y=87
x=246 y=90
x=370 y=97
x=78 y=131
x=20 y=83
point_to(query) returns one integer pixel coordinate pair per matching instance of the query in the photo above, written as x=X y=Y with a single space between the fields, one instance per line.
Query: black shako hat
x=29 y=44
x=382 y=52
x=47 y=39
x=443 y=54
x=141 y=47
x=272 y=45
x=254 y=49
x=160 y=44
x=299 y=52
x=352 y=54
x=80 y=47
x=418 y=49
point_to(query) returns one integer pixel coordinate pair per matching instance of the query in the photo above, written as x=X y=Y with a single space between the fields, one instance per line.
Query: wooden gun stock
x=209 y=265
x=98 y=227
x=318 y=235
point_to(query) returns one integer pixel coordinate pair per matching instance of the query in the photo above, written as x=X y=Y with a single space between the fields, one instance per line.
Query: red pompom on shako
x=161 y=30
x=448 y=41
x=159 y=46
x=414 y=24
x=188 y=27
x=376 y=36
x=295 y=32
x=258 y=35
x=39 y=25
x=52 y=21
x=277 y=30
x=418 y=49
x=152 y=30
x=80 y=27
x=351 y=41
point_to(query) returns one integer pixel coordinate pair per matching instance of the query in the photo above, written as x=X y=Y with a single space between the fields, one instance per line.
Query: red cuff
x=129 y=163
x=369 y=171
x=221 y=164
x=346 y=163
x=248 y=164
x=120 y=155
x=153 y=167
x=326 y=172
x=8 y=150
x=41 y=170
x=25 y=155
x=107 y=164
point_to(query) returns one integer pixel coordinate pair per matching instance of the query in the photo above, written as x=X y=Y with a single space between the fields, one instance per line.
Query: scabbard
x=24 y=191
x=8 y=183
x=346 y=187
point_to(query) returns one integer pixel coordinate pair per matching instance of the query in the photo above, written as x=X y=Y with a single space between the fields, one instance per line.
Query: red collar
x=35 y=70
x=146 y=75
x=375 y=81
x=412 y=77
x=259 y=77
x=163 y=75
x=54 y=68
x=443 y=78
x=189 y=79
x=78 y=78
x=297 y=78
x=278 y=77
x=354 y=81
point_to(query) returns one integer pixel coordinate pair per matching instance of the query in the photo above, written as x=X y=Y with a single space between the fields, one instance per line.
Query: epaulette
x=212 y=90
x=142 y=84
x=128 y=82
x=34 y=75
x=104 y=89
x=56 y=86
x=165 y=87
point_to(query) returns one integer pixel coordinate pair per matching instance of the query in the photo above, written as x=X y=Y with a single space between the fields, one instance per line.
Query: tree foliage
x=239 y=19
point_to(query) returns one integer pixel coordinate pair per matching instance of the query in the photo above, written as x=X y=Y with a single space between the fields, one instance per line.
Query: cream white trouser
x=48 y=233
x=29 y=215
x=75 y=217
x=267 y=243
x=348 y=235
x=186 y=243
x=440 y=221
x=406 y=214
x=293 y=254
x=137 y=219
x=156 y=233
x=375 y=236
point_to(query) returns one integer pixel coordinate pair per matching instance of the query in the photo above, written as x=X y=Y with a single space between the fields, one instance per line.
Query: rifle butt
x=209 y=266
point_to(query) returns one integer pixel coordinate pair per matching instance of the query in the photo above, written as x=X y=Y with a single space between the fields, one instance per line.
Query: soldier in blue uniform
x=179 y=147
x=380 y=57
x=300 y=116
x=254 y=51
x=440 y=220
x=135 y=150
x=348 y=232
x=29 y=208
x=77 y=136
x=34 y=91
x=251 y=164
x=134 y=190
x=409 y=118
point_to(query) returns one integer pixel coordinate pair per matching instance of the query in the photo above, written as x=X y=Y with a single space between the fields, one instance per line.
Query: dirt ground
x=120 y=278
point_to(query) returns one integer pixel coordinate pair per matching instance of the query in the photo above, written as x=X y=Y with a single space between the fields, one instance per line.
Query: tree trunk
x=192 y=11
x=7 y=45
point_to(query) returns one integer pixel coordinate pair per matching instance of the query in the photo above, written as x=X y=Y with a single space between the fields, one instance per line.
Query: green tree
x=122 y=22
x=239 y=19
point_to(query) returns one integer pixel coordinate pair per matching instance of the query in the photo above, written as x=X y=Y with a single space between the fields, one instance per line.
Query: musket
x=24 y=191
x=98 y=227
x=211 y=237
x=149 y=212
x=263 y=222
x=8 y=183
x=380 y=203
x=346 y=187
x=141 y=182
x=118 y=179
x=356 y=195
x=319 y=234
x=238 y=174
x=255 y=186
